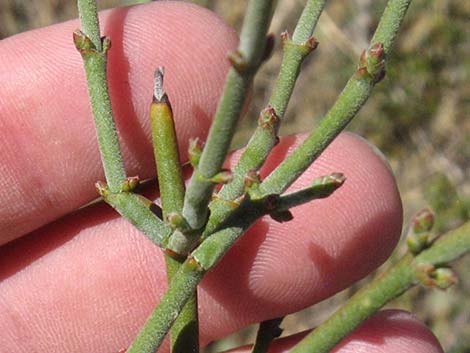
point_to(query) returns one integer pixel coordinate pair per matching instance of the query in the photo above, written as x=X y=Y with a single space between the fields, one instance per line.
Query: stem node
x=430 y=276
x=238 y=61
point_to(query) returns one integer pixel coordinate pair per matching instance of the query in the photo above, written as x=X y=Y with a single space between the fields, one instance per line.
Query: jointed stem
x=383 y=289
x=179 y=292
x=308 y=20
x=362 y=305
x=94 y=53
x=227 y=225
x=88 y=14
x=165 y=146
x=245 y=61
x=207 y=255
x=353 y=97
x=265 y=136
x=185 y=331
x=138 y=210
x=390 y=23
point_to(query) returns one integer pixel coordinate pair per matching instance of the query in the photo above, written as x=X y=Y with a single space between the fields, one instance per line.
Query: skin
x=85 y=281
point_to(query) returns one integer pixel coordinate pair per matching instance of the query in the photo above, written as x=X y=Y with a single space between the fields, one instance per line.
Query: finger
x=388 y=331
x=92 y=279
x=331 y=243
x=48 y=148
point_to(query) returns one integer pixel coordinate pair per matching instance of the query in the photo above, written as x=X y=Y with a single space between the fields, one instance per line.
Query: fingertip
x=388 y=331
x=391 y=331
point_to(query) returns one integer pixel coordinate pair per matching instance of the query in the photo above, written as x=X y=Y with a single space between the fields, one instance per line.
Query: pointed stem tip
x=159 y=94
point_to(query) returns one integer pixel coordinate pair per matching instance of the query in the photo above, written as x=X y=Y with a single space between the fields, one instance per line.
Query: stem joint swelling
x=243 y=65
x=418 y=240
x=372 y=63
x=304 y=49
x=86 y=47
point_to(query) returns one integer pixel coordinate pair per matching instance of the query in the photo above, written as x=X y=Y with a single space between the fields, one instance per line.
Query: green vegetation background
x=418 y=116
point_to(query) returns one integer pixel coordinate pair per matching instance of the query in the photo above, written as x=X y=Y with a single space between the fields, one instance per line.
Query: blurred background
x=418 y=116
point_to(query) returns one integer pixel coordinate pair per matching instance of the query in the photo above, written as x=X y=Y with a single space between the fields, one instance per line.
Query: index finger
x=48 y=149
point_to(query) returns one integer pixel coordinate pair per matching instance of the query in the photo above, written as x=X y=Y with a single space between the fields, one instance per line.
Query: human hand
x=86 y=282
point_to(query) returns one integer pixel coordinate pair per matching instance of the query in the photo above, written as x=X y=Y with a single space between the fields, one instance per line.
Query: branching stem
x=265 y=136
x=353 y=97
x=211 y=250
x=383 y=289
x=245 y=62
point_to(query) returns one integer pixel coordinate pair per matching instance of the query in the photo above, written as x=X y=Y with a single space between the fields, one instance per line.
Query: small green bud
x=252 y=181
x=422 y=222
x=177 y=221
x=85 y=45
x=252 y=178
x=325 y=185
x=419 y=235
x=195 y=151
x=130 y=184
x=305 y=48
x=417 y=242
x=106 y=44
x=238 y=61
x=268 y=119
x=82 y=42
x=223 y=177
x=444 y=277
x=285 y=38
x=372 y=63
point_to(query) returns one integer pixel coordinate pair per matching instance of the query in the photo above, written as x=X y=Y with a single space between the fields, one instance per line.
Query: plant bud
x=195 y=151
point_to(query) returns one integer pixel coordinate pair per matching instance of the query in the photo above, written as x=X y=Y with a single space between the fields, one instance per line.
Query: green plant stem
x=245 y=61
x=138 y=211
x=446 y=248
x=383 y=289
x=93 y=50
x=185 y=281
x=390 y=23
x=351 y=99
x=267 y=332
x=345 y=108
x=94 y=54
x=88 y=15
x=215 y=246
x=321 y=187
x=165 y=148
x=184 y=333
x=308 y=20
x=201 y=260
x=180 y=290
x=450 y=247
x=265 y=137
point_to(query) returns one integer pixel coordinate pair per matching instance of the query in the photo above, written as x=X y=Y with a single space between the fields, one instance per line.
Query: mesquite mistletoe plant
x=196 y=225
